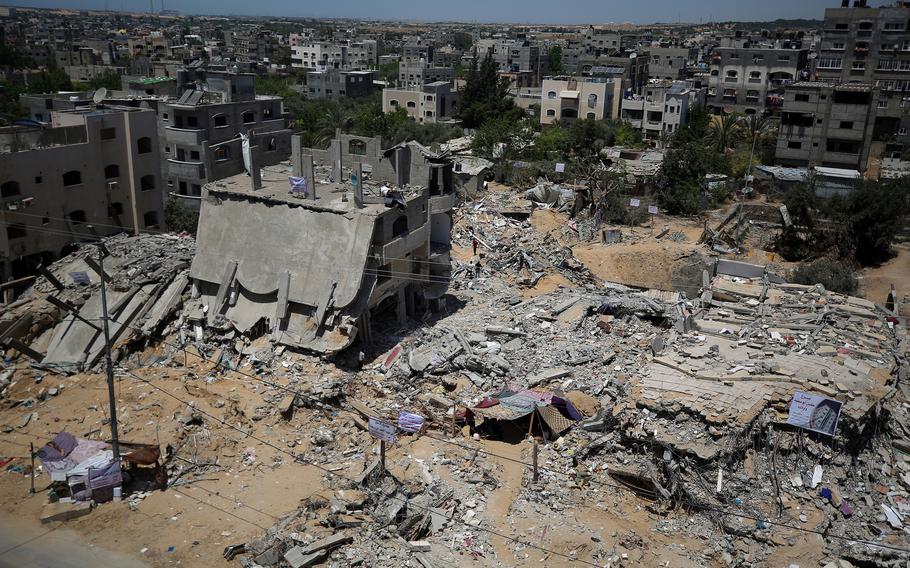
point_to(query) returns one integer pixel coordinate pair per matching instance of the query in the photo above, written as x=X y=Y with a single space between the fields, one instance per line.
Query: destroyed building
x=364 y=232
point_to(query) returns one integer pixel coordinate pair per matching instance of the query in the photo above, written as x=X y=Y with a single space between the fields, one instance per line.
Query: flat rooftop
x=330 y=196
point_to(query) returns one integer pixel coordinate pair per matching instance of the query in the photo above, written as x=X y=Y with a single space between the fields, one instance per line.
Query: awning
x=569 y=95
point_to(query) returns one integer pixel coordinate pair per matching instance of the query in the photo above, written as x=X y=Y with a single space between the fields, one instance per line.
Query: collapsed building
x=365 y=232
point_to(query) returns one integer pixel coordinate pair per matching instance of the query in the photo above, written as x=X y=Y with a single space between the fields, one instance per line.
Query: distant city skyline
x=481 y=11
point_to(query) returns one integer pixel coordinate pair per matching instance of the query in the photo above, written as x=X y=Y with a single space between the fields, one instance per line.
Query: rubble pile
x=146 y=278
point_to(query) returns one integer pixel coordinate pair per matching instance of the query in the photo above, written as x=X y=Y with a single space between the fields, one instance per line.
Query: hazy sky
x=537 y=11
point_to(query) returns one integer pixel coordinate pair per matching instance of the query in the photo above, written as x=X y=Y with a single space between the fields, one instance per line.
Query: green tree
x=388 y=72
x=867 y=220
x=627 y=136
x=108 y=79
x=554 y=57
x=50 y=81
x=275 y=85
x=179 y=218
x=485 y=96
x=830 y=273
x=725 y=132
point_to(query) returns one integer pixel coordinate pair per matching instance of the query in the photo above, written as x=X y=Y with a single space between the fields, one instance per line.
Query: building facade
x=430 y=103
x=334 y=83
x=570 y=98
x=827 y=124
x=752 y=79
x=662 y=108
x=93 y=166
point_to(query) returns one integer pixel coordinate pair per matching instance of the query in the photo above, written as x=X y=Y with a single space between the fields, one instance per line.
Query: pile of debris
x=58 y=321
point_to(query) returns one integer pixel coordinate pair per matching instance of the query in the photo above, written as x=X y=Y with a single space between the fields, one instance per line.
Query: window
x=144 y=145
x=108 y=133
x=802 y=97
x=551 y=95
x=830 y=63
x=732 y=73
x=794 y=145
x=164 y=115
x=115 y=209
x=248 y=116
x=192 y=121
x=181 y=188
x=429 y=113
x=846 y=125
x=77 y=217
x=903 y=65
x=147 y=182
x=194 y=154
x=45 y=220
x=220 y=120
x=39 y=180
x=412 y=104
x=755 y=75
x=393 y=103
x=15 y=231
x=223 y=153
x=591 y=116
x=111 y=171
x=551 y=112
x=838 y=45
x=859 y=65
x=71 y=178
x=9 y=189
x=150 y=219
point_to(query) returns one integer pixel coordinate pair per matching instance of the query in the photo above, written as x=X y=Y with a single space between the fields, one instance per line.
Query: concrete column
x=296 y=156
x=131 y=171
x=306 y=162
x=402 y=308
x=358 y=184
x=255 y=171
x=337 y=168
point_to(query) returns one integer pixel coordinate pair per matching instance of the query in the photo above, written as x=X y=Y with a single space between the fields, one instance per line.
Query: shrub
x=831 y=274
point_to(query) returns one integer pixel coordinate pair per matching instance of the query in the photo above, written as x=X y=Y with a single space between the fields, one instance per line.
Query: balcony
x=184 y=136
x=187 y=170
x=399 y=247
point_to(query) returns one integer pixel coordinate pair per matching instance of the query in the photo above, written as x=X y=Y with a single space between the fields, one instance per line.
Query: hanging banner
x=382 y=430
x=815 y=413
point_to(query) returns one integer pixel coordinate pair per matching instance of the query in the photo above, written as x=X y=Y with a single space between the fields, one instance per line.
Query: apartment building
x=429 y=103
x=671 y=63
x=872 y=45
x=827 y=124
x=751 y=79
x=571 y=98
x=662 y=108
x=94 y=166
x=333 y=83
x=417 y=50
x=319 y=56
x=418 y=73
x=204 y=131
x=599 y=42
x=629 y=68
x=388 y=215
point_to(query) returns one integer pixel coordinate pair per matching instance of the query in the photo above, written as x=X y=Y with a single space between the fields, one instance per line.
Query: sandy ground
x=875 y=283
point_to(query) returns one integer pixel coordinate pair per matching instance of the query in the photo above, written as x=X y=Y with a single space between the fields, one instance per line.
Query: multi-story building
x=751 y=79
x=872 y=45
x=204 y=132
x=93 y=166
x=571 y=98
x=415 y=51
x=417 y=73
x=430 y=103
x=319 y=56
x=662 y=108
x=599 y=42
x=521 y=56
x=334 y=83
x=376 y=247
x=827 y=124
x=628 y=68
x=671 y=63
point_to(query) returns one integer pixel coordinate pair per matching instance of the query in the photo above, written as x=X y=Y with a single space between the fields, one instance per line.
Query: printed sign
x=560 y=168
x=635 y=202
x=410 y=422
x=382 y=430
x=298 y=185
x=652 y=209
x=814 y=412
x=80 y=278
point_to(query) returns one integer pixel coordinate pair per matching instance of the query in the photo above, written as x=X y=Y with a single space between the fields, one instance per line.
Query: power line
x=327 y=471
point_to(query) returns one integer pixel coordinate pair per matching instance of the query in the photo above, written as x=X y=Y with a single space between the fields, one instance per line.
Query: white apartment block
x=571 y=98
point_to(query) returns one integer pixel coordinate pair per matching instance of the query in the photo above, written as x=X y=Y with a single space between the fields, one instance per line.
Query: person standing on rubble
x=474 y=243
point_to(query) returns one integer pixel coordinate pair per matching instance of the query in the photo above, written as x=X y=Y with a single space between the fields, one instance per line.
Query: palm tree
x=724 y=132
x=335 y=118
x=757 y=125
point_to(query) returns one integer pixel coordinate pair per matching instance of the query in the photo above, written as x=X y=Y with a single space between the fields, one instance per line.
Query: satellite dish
x=99 y=96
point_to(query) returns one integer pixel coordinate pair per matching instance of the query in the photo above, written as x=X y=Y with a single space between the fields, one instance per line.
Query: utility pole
x=115 y=443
